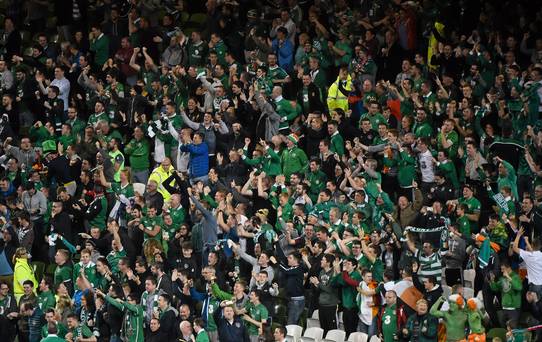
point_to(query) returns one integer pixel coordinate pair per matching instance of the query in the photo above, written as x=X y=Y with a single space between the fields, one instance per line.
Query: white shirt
x=533 y=262
x=366 y=307
x=426 y=165
x=64 y=86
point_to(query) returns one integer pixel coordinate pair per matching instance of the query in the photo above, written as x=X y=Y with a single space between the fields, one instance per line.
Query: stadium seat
x=335 y=335
x=374 y=338
x=468 y=293
x=313 y=335
x=340 y=321
x=294 y=331
x=468 y=278
x=139 y=188
x=446 y=291
x=358 y=337
x=314 y=321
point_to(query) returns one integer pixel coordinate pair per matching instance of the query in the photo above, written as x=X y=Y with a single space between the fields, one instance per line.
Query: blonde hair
x=20 y=252
x=149 y=247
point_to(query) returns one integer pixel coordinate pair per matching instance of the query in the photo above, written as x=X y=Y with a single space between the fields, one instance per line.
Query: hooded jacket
x=337 y=95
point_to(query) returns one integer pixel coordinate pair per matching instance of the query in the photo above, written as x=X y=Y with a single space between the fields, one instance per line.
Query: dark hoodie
x=168 y=324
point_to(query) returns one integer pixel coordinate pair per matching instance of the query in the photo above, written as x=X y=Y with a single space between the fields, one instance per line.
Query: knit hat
x=48 y=146
x=293 y=138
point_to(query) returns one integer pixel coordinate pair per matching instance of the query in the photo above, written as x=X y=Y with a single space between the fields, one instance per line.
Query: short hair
x=28 y=282
x=52 y=329
x=431 y=279
x=282 y=330
x=151 y=279
x=74 y=316
x=166 y=297
x=257 y=293
x=199 y=322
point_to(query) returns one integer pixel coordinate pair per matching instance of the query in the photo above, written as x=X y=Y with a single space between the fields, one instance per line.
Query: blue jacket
x=199 y=159
x=285 y=54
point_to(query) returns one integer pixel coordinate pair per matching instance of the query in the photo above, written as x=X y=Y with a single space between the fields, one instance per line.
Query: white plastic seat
x=335 y=335
x=314 y=321
x=468 y=292
x=340 y=321
x=358 y=337
x=446 y=291
x=374 y=338
x=468 y=278
x=139 y=188
x=294 y=331
x=313 y=335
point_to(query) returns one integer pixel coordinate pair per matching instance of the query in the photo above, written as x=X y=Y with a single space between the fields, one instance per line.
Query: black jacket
x=168 y=324
x=62 y=224
x=235 y=332
x=314 y=97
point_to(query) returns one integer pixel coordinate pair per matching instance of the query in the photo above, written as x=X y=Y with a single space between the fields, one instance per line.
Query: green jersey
x=293 y=160
x=389 y=323
x=132 y=325
x=149 y=223
x=375 y=120
x=337 y=144
x=422 y=130
x=464 y=226
x=286 y=111
x=81 y=331
x=349 y=293
x=63 y=274
x=138 y=153
x=258 y=313
x=113 y=260
x=197 y=54
x=276 y=73
x=474 y=206
x=46 y=301
x=61 y=330
x=93 y=119
x=90 y=273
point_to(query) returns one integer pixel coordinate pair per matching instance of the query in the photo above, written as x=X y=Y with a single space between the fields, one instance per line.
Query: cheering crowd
x=216 y=171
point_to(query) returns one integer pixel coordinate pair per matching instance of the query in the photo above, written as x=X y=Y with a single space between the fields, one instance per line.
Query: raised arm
x=435 y=309
x=133 y=63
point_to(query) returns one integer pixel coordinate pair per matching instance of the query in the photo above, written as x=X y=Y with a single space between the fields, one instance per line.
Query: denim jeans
x=295 y=309
x=115 y=338
x=140 y=176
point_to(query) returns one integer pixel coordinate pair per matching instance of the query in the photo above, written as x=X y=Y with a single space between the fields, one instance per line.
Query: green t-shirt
x=62 y=274
x=258 y=313
x=474 y=206
x=113 y=260
x=81 y=331
x=46 y=301
x=464 y=226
